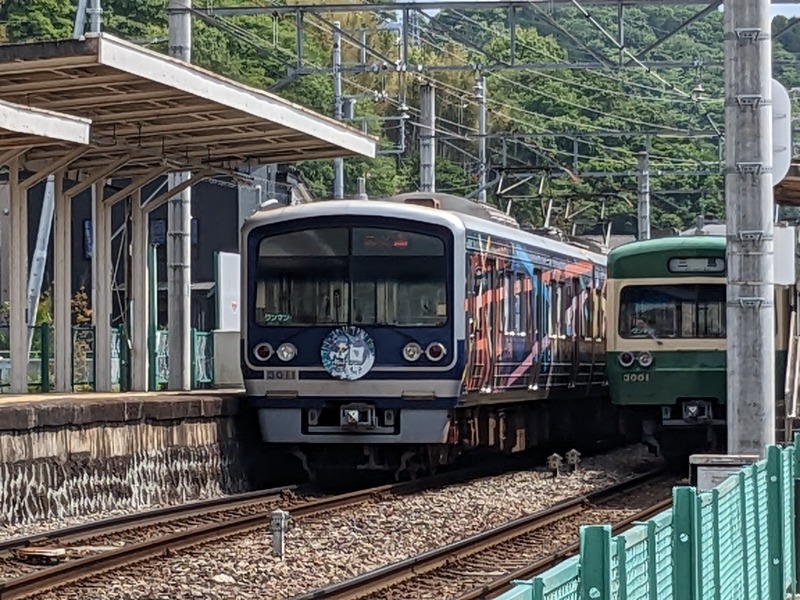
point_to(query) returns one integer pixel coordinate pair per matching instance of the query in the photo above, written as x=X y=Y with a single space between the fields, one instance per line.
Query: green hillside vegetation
x=257 y=50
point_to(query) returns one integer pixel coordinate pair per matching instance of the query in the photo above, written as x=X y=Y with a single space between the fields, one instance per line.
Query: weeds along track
x=484 y=565
x=40 y=562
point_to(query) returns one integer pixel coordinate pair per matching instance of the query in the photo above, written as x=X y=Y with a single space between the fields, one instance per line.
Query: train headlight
x=645 y=359
x=435 y=351
x=263 y=351
x=412 y=351
x=625 y=359
x=286 y=352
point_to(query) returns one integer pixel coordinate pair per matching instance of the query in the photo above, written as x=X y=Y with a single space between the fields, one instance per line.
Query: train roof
x=403 y=210
x=641 y=259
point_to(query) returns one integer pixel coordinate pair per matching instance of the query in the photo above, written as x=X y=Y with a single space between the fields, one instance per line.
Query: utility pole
x=179 y=225
x=427 y=138
x=96 y=16
x=338 y=163
x=643 y=194
x=750 y=228
x=480 y=95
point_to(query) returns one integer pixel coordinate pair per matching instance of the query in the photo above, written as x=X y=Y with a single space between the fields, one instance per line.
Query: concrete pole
x=480 y=94
x=427 y=138
x=748 y=206
x=643 y=193
x=62 y=285
x=338 y=113
x=179 y=225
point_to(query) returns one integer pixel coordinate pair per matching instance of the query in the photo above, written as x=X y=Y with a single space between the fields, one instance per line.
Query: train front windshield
x=672 y=311
x=352 y=276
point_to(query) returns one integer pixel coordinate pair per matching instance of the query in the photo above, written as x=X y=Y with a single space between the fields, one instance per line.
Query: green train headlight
x=645 y=359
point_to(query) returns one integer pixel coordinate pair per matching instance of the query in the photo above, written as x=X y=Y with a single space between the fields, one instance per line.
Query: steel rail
x=144 y=518
x=75 y=570
x=504 y=583
x=378 y=579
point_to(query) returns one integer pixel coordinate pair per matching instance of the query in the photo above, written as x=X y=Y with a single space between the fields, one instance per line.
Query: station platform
x=70 y=455
x=24 y=412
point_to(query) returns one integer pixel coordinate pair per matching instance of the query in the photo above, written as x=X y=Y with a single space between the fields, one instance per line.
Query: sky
x=790 y=10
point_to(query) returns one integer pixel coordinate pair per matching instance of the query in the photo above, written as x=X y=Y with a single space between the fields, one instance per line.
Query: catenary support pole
x=643 y=195
x=18 y=282
x=338 y=113
x=179 y=225
x=427 y=138
x=480 y=94
x=748 y=206
x=62 y=285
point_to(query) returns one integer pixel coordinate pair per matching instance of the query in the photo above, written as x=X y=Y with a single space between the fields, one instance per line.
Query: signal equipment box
x=707 y=471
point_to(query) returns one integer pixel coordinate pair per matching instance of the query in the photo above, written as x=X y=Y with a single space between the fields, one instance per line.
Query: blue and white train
x=395 y=334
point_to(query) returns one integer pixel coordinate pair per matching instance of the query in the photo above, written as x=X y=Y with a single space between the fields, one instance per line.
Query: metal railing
x=735 y=541
x=41 y=363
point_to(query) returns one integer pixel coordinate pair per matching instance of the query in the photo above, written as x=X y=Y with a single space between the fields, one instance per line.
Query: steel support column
x=18 y=281
x=5 y=241
x=101 y=288
x=62 y=286
x=138 y=294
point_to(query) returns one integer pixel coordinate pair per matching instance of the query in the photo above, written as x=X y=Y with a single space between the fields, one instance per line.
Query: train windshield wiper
x=652 y=334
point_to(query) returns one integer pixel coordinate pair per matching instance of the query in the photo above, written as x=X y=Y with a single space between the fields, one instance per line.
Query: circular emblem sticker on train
x=348 y=353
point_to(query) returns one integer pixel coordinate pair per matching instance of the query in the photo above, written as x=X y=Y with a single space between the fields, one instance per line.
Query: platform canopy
x=149 y=110
x=22 y=126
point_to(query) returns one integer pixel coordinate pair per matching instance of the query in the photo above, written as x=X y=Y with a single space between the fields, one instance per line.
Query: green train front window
x=672 y=311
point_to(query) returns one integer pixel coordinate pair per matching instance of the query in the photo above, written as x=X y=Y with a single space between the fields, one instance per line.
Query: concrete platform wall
x=79 y=457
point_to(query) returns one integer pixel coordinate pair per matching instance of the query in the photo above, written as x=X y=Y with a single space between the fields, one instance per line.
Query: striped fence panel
x=735 y=542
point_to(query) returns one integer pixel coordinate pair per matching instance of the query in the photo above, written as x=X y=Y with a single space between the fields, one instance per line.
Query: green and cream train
x=666 y=353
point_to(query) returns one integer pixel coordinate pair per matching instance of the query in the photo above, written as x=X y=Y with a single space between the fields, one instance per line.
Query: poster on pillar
x=227 y=291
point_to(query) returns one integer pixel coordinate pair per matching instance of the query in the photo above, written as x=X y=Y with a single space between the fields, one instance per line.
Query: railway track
x=484 y=565
x=94 y=548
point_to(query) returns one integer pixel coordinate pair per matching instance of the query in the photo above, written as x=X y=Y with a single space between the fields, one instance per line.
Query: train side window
x=556 y=312
x=597 y=316
x=523 y=303
x=536 y=299
x=506 y=285
x=567 y=312
x=585 y=306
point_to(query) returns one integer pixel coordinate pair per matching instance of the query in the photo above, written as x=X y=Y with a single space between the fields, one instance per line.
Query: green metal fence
x=735 y=542
x=41 y=365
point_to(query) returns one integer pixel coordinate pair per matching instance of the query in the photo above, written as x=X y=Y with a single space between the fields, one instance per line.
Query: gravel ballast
x=329 y=548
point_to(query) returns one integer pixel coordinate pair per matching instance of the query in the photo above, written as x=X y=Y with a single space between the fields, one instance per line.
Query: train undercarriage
x=548 y=425
x=674 y=432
